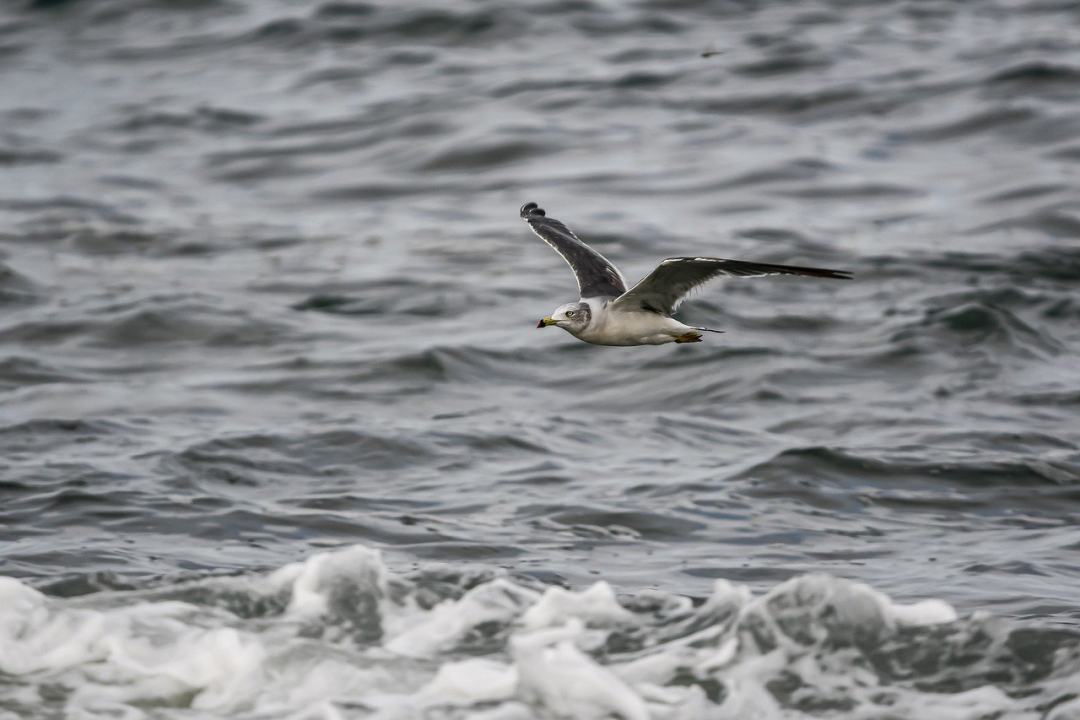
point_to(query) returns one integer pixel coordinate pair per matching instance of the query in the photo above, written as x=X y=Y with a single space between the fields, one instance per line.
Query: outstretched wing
x=596 y=277
x=666 y=286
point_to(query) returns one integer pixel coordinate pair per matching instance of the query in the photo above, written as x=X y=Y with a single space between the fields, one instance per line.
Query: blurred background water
x=265 y=295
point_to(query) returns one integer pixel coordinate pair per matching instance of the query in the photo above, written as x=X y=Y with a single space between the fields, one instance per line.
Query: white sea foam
x=340 y=636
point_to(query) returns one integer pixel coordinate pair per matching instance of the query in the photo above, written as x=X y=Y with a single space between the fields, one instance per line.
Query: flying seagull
x=609 y=314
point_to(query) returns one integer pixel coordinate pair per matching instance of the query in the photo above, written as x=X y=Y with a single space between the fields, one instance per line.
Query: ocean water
x=279 y=437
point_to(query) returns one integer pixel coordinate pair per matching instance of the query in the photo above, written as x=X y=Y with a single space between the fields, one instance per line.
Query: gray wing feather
x=596 y=277
x=667 y=286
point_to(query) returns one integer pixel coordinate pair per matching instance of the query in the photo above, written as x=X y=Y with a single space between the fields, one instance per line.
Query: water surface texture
x=279 y=438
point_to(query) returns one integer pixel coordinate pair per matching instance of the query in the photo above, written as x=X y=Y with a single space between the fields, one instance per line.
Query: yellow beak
x=544 y=322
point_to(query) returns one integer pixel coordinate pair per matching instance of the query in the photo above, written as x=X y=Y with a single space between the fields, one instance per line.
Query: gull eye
x=571 y=313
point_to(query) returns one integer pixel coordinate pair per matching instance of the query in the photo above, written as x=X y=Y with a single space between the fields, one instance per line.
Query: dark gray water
x=264 y=296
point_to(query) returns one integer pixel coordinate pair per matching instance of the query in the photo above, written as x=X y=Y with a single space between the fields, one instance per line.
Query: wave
x=16 y=288
x=155 y=321
x=967 y=459
x=342 y=635
x=1057 y=263
x=976 y=327
x=349 y=22
x=20 y=371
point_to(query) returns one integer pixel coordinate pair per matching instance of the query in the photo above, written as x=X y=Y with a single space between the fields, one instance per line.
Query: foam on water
x=341 y=635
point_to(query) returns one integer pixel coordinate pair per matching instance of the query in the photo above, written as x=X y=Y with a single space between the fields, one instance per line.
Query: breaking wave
x=341 y=635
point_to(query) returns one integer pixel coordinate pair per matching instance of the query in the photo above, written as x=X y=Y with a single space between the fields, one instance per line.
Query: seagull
x=609 y=314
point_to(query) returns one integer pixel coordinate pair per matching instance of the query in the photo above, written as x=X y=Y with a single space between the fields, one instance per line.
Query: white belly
x=633 y=328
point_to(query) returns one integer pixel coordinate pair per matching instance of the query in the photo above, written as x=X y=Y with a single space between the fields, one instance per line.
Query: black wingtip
x=531 y=209
x=825 y=273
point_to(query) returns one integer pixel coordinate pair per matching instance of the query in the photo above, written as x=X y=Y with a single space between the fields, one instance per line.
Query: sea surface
x=279 y=437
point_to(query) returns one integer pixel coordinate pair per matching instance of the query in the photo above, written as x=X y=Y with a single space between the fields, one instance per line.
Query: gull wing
x=666 y=287
x=596 y=277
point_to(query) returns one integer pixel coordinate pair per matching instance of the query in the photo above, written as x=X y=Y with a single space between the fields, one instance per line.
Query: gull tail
x=709 y=330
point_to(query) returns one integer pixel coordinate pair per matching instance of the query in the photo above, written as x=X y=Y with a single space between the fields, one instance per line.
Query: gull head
x=572 y=317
